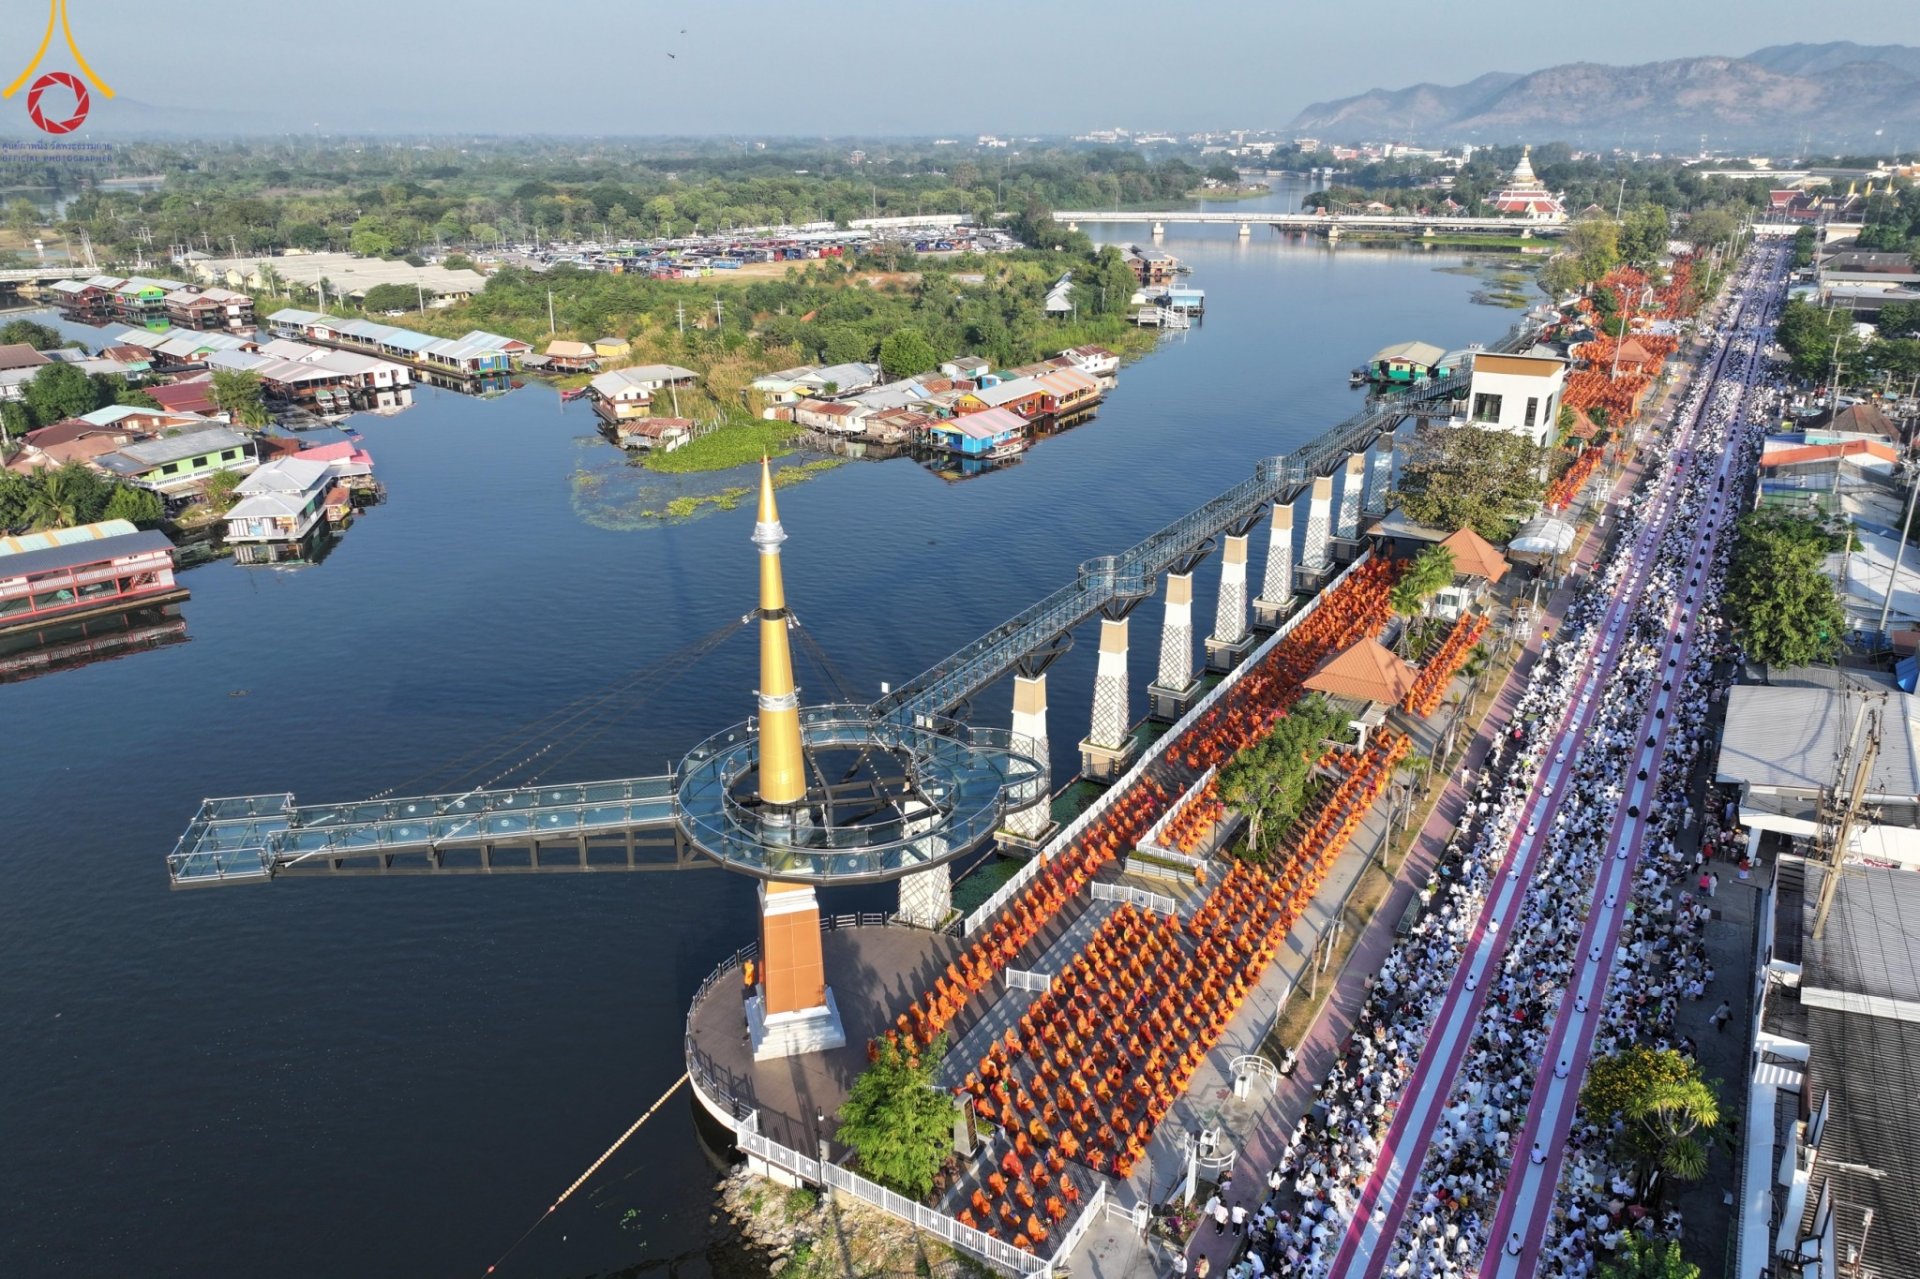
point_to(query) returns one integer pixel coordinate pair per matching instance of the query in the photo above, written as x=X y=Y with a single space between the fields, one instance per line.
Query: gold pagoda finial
x=783 y=779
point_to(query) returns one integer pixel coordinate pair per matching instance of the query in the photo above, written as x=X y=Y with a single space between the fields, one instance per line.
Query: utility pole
x=719 y=314
x=420 y=294
x=551 y=330
x=680 y=311
x=1900 y=551
x=1837 y=816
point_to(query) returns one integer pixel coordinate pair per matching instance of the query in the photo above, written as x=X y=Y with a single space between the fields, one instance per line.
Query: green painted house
x=176 y=463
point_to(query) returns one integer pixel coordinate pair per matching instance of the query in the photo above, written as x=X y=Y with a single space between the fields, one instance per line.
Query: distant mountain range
x=1836 y=96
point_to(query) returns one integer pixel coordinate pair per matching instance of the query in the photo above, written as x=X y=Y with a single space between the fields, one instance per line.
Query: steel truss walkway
x=672 y=821
x=1134 y=574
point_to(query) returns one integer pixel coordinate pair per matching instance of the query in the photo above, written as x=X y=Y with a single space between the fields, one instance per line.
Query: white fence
x=1151 y=844
x=1001 y=1255
x=1079 y=825
x=1022 y=979
x=1137 y=896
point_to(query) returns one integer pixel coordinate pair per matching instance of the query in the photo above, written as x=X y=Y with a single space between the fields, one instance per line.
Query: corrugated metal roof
x=1791 y=738
x=174 y=448
x=24 y=563
x=14 y=544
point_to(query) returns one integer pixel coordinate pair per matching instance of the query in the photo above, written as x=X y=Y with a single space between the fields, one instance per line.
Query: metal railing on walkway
x=1134 y=573
x=1134 y=896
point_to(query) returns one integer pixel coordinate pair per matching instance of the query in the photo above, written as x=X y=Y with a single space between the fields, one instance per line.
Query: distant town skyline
x=845 y=67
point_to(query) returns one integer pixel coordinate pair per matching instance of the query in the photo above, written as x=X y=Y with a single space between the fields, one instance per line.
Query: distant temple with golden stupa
x=1526 y=196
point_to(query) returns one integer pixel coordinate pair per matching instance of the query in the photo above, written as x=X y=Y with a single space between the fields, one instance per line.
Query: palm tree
x=1426 y=575
x=1661 y=1123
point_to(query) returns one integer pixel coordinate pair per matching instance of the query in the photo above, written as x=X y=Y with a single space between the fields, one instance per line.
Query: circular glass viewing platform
x=931 y=790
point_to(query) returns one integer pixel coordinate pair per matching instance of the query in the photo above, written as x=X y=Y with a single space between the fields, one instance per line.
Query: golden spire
x=783 y=778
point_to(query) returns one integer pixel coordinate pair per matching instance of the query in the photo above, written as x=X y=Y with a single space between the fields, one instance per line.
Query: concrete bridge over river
x=1330 y=225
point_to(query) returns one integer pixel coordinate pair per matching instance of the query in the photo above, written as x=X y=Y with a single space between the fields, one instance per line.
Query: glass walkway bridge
x=947 y=787
x=934 y=790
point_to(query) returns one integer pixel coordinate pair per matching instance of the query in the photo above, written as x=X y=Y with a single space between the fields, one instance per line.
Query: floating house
x=994 y=432
x=619 y=394
x=1408 y=362
x=281 y=506
x=472 y=355
x=1024 y=396
x=564 y=356
x=662 y=434
x=214 y=308
x=69 y=574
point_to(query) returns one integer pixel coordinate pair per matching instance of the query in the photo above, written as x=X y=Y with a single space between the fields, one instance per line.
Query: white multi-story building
x=1516 y=393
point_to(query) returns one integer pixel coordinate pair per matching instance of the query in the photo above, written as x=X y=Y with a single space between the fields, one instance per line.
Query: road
x=1387 y=1193
x=1526 y=1203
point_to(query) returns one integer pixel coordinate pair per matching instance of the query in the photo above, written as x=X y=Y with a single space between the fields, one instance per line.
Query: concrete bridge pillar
x=1175 y=688
x=1347 y=523
x=1275 y=601
x=926 y=896
x=1159 y=228
x=1030 y=722
x=1379 y=481
x=1333 y=231
x=1073 y=226
x=1107 y=748
x=1230 y=639
x=1246 y=229
x=1313 y=552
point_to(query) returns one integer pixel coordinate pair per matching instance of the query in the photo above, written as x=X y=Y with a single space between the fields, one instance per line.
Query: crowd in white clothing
x=1612 y=666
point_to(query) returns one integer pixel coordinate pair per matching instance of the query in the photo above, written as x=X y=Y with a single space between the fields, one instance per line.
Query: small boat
x=1357 y=378
x=577 y=393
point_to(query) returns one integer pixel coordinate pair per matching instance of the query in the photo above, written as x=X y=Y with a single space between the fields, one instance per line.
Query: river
x=367 y=1079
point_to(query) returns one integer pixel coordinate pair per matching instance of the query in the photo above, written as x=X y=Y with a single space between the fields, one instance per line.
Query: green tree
x=1781 y=602
x=60 y=391
x=1112 y=284
x=844 y=344
x=1640 y=1258
x=141 y=506
x=1487 y=481
x=899 y=1123
x=1427 y=574
x=1810 y=335
x=1560 y=276
x=38 y=336
x=1710 y=227
x=66 y=496
x=1643 y=235
x=1661 y=1104
x=238 y=394
x=1271 y=781
x=1896 y=320
x=22 y=218
x=1803 y=244
x=371 y=237
x=906 y=352
x=391 y=297
x=1224 y=173
x=1595 y=244
x=218 y=490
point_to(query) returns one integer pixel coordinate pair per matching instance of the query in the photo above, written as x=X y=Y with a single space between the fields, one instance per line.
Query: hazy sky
x=872 y=67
